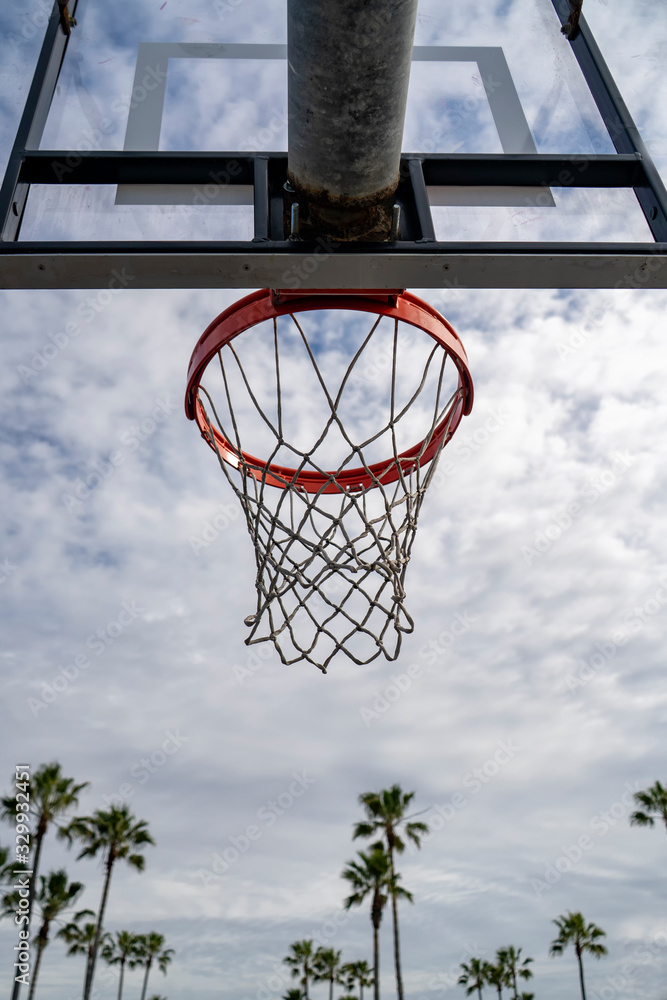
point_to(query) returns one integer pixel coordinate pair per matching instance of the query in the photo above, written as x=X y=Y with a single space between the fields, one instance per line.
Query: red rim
x=262 y=305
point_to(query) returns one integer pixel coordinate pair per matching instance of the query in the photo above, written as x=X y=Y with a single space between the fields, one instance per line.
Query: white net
x=349 y=423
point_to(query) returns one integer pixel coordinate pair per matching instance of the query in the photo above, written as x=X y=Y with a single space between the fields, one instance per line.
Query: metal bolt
x=294 y=220
x=395 y=222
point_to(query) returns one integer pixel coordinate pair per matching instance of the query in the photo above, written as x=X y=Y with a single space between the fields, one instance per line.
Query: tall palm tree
x=122 y=950
x=301 y=962
x=385 y=814
x=80 y=938
x=510 y=959
x=371 y=875
x=51 y=795
x=150 y=948
x=357 y=972
x=117 y=834
x=54 y=896
x=573 y=929
x=654 y=803
x=473 y=976
x=327 y=968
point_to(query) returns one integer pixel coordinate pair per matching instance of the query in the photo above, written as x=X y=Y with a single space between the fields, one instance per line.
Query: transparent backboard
x=210 y=75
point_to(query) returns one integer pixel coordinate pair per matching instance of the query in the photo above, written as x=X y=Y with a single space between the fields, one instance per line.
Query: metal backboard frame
x=271 y=259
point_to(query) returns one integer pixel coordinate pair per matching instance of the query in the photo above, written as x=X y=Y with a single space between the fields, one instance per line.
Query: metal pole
x=13 y=195
x=625 y=135
x=348 y=74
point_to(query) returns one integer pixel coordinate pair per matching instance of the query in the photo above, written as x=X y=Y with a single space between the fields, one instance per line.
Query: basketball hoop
x=332 y=505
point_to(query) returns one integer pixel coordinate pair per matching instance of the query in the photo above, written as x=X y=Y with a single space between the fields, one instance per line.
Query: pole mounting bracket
x=67 y=21
x=571 y=28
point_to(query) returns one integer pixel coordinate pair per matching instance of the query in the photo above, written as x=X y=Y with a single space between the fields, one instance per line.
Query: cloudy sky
x=538 y=583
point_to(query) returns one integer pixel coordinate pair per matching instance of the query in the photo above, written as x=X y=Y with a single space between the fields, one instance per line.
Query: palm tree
x=510 y=959
x=120 y=951
x=147 y=949
x=372 y=874
x=293 y=995
x=654 y=802
x=385 y=813
x=79 y=938
x=51 y=795
x=117 y=834
x=357 y=972
x=574 y=930
x=301 y=962
x=473 y=976
x=327 y=968
x=496 y=975
x=54 y=896
x=9 y=872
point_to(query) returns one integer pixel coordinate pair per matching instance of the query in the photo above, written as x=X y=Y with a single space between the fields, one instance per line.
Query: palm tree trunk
x=581 y=975
x=376 y=963
x=41 y=943
x=39 y=836
x=394 y=911
x=148 y=969
x=41 y=830
x=331 y=988
x=120 y=984
x=89 y=957
x=90 y=975
x=479 y=990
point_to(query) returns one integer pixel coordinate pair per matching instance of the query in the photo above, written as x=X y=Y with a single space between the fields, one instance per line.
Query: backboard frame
x=270 y=259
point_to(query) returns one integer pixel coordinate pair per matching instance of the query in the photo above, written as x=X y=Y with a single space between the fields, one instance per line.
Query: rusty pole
x=348 y=74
